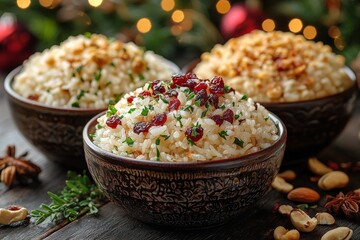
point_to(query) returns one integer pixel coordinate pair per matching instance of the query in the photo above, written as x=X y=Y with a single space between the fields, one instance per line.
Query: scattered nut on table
x=303 y=195
x=288 y=175
x=332 y=180
x=318 y=167
x=12 y=214
x=357 y=190
x=285 y=209
x=281 y=233
x=340 y=233
x=325 y=218
x=302 y=221
x=281 y=185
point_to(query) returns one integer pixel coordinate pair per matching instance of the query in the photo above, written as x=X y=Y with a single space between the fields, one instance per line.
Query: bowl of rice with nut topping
x=186 y=152
x=303 y=82
x=55 y=92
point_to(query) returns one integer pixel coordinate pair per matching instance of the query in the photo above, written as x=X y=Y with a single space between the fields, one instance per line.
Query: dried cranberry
x=185 y=80
x=140 y=127
x=202 y=97
x=214 y=100
x=200 y=86
x=217 y=119
x=157 y=87
x=159 y=119
x=145 y=94
x=174 y=104
x=34 y=97
x=172 y=93
x=217 y=85
x=113 y=121
x=130 y=99
x=194 y=133
x=228 y=115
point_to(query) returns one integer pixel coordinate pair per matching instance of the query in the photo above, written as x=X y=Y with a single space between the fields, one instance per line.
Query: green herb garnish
x=131 y=110
x=244 y=97
x=92 y=136
x=145 y=111
x=222 y=106
x=197 y=103
x=157 y=141
x=129 y=141
x=223 y=134
x=239 y=142
x=178 y=118
x=163 y=99
x=188 y=108
x=227 y=88
x=266 y=118
x=157 y=154
x=75 y=104
x=99 y=126
x=142 y=77
x=97 y=75
x=236 y=116
x=190 y=96
x=80 y=95
x=79 y=196
x=191 y=142
x=87 y=34
x=111 y=111
x=166 y=137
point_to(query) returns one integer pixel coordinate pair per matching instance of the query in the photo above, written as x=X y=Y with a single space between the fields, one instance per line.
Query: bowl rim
x=209 y=165
x=9 y=79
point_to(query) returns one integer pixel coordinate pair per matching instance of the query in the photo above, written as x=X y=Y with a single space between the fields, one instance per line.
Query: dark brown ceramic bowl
x=314 y=124
x=187 y=195
x=55 y=131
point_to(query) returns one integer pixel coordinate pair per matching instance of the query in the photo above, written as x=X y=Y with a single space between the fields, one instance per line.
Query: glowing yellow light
x=23 y=4
x=310 y=32
x=46 y=3
x=143 y=25
x=295 y=25
x=176 y=30
x=178 y=16
x=95 y=3
x=223 y=6
x=167 y=5
x=334 y=32
x=268 y=25
x=187 y=24
x=339 y=43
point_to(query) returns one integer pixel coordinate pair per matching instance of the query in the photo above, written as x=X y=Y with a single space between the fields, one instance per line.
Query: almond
x=303 y=195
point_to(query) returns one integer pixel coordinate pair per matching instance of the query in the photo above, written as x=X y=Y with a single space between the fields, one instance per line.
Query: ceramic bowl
x=55 y=131
x=187 y=195
x=314 y=124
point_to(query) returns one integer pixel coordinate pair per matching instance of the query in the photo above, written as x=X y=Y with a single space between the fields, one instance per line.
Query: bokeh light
x=23 y=4
x=95 y=3
x=334 y=32
x=46 y=3
x=143 y=25
x=167 y=5
x=176 y=30
x=295 y=25
x=310 y=32
x=268 y=25
x=223 y=6
x=339 y=43
x=178 y=16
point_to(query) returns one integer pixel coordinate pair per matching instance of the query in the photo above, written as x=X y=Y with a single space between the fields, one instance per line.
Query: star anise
x=349 y=204
x=18 y=168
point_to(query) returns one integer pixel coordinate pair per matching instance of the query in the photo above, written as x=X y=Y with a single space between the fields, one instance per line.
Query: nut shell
x=340 y=233
x=302 y=221
x=332 y=180
x=325 y=218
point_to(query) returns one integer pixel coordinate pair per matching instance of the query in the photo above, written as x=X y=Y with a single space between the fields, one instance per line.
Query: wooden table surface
x=113 y=223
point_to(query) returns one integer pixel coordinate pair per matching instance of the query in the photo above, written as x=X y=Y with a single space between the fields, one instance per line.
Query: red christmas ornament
x=239 y=21
x=16 y=42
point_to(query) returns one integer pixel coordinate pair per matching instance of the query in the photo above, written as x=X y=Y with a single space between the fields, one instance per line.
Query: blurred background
x=176 y=29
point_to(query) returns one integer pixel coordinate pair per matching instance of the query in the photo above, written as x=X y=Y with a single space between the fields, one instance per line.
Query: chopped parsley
x=80 y=95
x=157 y=141
x=151 y=107
x=79 y=68
x=190 y=96
x=157 y=154
x=166 y=137
x=223 y=134
x=97 y=75
x=197 y=103
x=99 y=126
x=111 y=111
x=131 y=75
x=178 y=118
x=186 y=90
x=87 y=35
x=129 y=141
x=75 y=104
x=244 y=97
x=112 y=64
x=266 y=118
x=92 y=136
x=222 y=106
x=163 y=99
x=145 y=111
x=108 y=83
x=142 y=77
x=191 y=142
x=131 y=110
x=236 y=116
x=188 y=108
x=227 y=88
x=239 y=142
x=203 y=114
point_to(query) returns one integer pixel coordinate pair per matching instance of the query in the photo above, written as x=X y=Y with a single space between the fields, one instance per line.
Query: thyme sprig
x=79 y=196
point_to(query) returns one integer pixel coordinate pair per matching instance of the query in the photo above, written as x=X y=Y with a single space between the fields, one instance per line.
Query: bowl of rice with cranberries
x=303 y=82
x=56 y=92
x=185 y=152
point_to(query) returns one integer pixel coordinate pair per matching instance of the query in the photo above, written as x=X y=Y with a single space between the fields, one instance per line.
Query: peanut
x=12 y=214
x=340 y=233
x=285 y=209
x=325 y=218
x=302 y=221
x=280 y=233
x=332 y=180
x=281 y=185
x=318 y=167
x=288 y=175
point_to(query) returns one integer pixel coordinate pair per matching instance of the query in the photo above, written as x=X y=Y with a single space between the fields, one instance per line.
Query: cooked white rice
x=88 y=72
x=251 y=130
x=276 y=67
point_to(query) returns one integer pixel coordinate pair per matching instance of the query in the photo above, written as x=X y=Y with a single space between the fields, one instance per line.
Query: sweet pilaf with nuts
x=185 y=119
x=276 y=67
x=88 y=71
